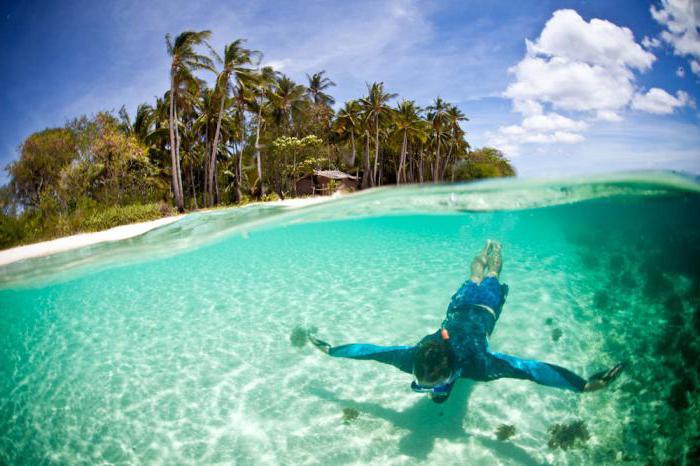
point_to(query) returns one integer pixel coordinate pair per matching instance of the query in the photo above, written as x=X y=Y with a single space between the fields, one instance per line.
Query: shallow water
x=174 y=347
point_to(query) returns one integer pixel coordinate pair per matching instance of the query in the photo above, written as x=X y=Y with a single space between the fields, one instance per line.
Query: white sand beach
x=46 y=248
x=67 y=243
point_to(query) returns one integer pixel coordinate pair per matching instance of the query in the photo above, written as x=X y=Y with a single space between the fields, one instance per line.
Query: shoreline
x=121 y=232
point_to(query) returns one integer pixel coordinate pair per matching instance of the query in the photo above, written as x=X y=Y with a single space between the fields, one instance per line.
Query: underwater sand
x=174 y=347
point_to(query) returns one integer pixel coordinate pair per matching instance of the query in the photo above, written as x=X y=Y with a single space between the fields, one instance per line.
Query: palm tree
x=184 y=60
x=437 y=117
x=409 y=124
x=318 y=83
x=348 y=123
x=262 y=83
x=242 y=97
x=453 y=116
x=144 y=121
x=288 y=98
x=375 y=108
x=236 y=60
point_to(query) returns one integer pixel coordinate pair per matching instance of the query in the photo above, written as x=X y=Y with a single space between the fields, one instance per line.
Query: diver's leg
x=494 y=261
x=479 y=263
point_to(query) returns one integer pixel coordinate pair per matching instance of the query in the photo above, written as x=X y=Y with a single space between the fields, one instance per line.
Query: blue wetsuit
x=471 y=317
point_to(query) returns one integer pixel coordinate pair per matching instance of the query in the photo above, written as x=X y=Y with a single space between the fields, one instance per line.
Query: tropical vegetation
x=227 y=130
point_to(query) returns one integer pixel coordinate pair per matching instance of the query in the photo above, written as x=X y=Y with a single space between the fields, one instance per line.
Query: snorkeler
x=460 y=348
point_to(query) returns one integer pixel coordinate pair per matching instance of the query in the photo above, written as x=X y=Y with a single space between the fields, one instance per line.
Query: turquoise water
x=174 y=347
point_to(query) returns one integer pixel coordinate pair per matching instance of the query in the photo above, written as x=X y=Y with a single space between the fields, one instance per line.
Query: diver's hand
x=320 y=344
x=603 y=379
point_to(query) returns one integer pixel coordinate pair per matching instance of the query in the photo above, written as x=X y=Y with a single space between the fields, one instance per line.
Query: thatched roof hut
x=326 y=182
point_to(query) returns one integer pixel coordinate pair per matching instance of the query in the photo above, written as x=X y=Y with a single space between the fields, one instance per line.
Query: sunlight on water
x=174 y=347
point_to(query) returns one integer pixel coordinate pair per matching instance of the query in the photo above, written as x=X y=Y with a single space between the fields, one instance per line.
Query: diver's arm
x=504 y=365
x=400 y=357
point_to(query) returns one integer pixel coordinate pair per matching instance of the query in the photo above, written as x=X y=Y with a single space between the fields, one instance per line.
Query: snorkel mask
x=440 y=389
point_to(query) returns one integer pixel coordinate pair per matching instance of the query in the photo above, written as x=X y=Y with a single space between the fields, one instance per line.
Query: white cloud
x=680 y=72
x=681 y=19
x=570 y=85
x=608 y=115
x=552 y=122
x=598 y=42
x=527 y=107
x=586 y=71
x=579 y=65
x=695 y=66
x=651 y=42
x=659 y=101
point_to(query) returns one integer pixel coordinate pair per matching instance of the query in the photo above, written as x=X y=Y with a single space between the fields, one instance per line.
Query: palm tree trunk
x=205 y=191
x=420 y=166
x=177 y=161
x=352 y=143
x=174 y=150
x=194 y=190
x=366 y=175
x=214 y=149
x=257 y=151
x=401 y=158
x=447 y=162
x=376 y=151
x=239 y=175
x=436 y=167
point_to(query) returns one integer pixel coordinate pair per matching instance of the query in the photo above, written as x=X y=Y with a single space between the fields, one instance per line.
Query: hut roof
x=334 y=174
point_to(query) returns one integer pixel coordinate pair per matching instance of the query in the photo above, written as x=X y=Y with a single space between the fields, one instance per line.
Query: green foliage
x=43 y=156
x=90 y=175
x=270 y=197
x=482 y=163
x=11 y=231
x=98 y=218
x=46 y=223
x=295 y=158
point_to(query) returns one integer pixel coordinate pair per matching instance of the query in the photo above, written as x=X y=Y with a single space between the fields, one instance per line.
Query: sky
x=561 y=87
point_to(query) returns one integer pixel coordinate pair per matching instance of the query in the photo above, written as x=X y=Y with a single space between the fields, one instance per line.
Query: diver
x=460 y=348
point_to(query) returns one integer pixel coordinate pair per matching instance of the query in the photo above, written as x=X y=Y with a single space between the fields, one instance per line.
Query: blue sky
x=598 y=86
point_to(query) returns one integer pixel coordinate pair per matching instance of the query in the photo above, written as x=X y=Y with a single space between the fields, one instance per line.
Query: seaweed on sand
x=566 y=436
x=349 y=415
x=505 y=431
x=556 y=334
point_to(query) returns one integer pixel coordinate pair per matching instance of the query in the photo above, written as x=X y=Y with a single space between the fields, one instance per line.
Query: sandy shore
x=46 y=248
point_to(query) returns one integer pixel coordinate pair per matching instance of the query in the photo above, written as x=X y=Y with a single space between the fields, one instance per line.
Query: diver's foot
x=494 y=246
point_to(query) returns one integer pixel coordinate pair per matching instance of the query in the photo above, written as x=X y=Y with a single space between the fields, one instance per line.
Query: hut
x=325 y=182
